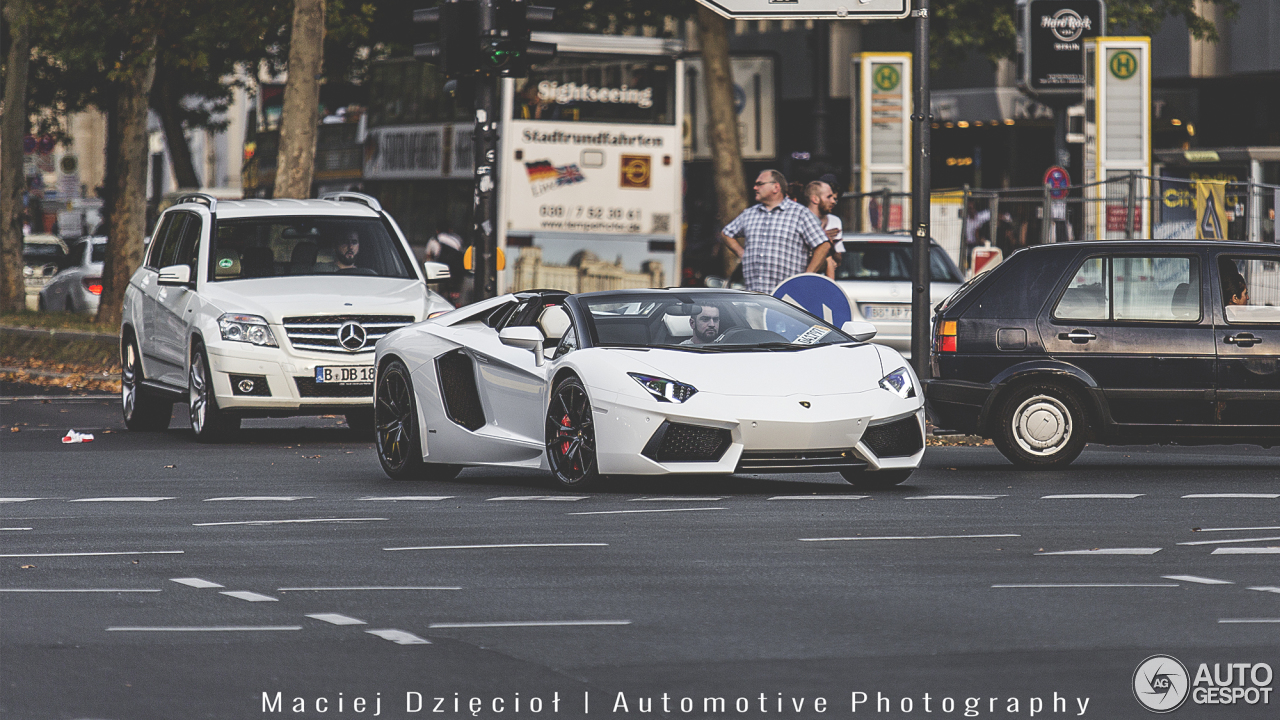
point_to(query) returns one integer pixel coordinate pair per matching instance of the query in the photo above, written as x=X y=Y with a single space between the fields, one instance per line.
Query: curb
x=55 y=334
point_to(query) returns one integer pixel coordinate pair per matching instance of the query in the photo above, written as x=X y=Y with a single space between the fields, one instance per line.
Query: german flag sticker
x=635 y=171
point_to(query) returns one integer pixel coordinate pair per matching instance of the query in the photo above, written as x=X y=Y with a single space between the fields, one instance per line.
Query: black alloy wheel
x=142 y=410
x=571 y=436
x=209 y=422
x=395 y=429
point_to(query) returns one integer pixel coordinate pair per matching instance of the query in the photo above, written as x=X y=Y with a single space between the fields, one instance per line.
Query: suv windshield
x=891 y=261
x=704 y=322
x=281 y=246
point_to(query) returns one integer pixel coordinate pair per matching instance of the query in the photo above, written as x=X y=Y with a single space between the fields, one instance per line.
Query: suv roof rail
x=361 y=198
x=199 y=197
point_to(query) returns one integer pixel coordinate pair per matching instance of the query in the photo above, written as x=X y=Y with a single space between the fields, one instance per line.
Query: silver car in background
x=77 y=287
x=875 y=274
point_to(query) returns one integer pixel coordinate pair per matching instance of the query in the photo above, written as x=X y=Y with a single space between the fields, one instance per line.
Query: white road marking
x=498 y=545
x=123 y=499
x=336 y=619
x=1243 y=529
x=195 y=582
x=1094 y=496
x=78 y=590
x=287 y=522
x=634 y=512
x=1267 y=588
x=545 y=498
x=15 y=528
x=532 y=623
x=265 y=498
x=1105 y=551
x=1197 y=579
x=1250 y=496
x=1225 y=542
x=955 y=497
x=399 y=637
x=249 y=596
x=907 y=537
x=1246 y=551
x=214 y=628
x=17 y=499
x=88 y=554
x=1249 y=620
x=676 y=499
x=397 y=498
x=367 y=587
x=1092 y=585
x=820 y=497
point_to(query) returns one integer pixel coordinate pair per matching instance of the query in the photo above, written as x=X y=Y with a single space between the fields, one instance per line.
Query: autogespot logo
x=1160 y=683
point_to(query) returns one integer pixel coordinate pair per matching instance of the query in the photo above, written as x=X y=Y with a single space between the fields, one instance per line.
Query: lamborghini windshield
x=703 y=322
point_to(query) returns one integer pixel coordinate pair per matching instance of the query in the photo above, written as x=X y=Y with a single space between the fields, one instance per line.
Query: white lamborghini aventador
x=644 y=382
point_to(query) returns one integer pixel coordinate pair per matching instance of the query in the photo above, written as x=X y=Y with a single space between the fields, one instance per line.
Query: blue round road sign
x=1058 y=181
x=819 y=295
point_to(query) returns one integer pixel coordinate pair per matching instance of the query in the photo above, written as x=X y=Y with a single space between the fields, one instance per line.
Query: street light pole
x=484 y=252
x=921 y=310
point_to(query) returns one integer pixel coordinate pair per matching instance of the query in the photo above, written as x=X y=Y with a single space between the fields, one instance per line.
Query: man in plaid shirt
x=780 y=236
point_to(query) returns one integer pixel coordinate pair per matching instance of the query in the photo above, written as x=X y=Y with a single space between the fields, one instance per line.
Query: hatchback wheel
x=571 y=436
x=142 y=410
x=1041 y=426
x=395 y=429
x=209 y=422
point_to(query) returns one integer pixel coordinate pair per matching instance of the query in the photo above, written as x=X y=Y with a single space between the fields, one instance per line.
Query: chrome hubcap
x=1042 y=425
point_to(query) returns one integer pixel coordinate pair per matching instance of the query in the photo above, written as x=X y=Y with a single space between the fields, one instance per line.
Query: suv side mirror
x=436 y=272
x=529 y=338
x=859 y=330
x=175 y=275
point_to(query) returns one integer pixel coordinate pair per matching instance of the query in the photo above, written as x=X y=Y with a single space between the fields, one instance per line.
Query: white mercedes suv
x=267 y=308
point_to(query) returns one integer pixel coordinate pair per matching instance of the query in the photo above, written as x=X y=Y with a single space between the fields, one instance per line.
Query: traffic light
x=509 y=52
x=456 y=53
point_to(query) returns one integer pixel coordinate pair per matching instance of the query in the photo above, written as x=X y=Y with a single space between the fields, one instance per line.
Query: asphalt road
x=144 y=576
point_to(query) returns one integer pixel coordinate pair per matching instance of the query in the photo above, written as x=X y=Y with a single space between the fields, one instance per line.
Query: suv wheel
x=395 y=428
x=208 y=421
x=142 y=411
x=1041 y=426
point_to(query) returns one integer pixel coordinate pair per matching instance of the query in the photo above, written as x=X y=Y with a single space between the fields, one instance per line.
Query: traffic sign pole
x=921 y=302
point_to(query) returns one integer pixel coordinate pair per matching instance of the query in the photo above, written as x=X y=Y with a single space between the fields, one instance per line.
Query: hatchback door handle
x=1243 y=340
x=1078 y=336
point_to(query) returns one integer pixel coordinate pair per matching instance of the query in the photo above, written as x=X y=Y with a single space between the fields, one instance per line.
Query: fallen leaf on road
x=15 y=428
x=170 y=466
x=28 y=567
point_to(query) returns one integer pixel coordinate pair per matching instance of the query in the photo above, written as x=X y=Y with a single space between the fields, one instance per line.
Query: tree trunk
x=13 y=292
x=726 y=147
x=301 y=113
x=164 y=100
x=127 y=201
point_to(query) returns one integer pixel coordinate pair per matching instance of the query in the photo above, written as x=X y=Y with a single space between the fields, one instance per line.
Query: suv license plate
x=351 y=374
x=887 y=312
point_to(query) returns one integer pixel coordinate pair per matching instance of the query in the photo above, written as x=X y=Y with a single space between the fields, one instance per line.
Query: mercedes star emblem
x=352 y=336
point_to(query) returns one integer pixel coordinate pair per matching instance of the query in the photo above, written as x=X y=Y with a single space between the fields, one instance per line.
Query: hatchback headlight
x=664 y=390
x=899 y=383
x=250 y=329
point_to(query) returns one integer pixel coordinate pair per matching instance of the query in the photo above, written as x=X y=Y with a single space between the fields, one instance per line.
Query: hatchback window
x=1086 y=297
x=283 y=246
x=1133 y=288
x=99 y=252
x=1251 y=290
x=891 y=261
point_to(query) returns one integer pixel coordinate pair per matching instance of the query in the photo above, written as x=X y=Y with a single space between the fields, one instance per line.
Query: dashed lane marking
x=249 y=596
x=1105 y=551
x=676 y=499
x=77 y=590
x=289 y=522
x=1231 y=621
x=1239 y=529
x=336 y=619
x=1197 y=579
x=17 y=499
x=1267 y=588
x=15 y=529
x=195 y=582
x=122 y=499
x=496 y=546
x=529 y=623
x=636 y=512
x=1245 y=496
x=212 y=628
x=955 y=497
x=407 y=498
x=1092 y=585
x=1246 y=551
x=1226 y=542
x=363 y=588
x=1094 y=496
x=399 y=637
x=820 y=497
x=545 y=498
x=91 y=554
x=262 y=498
x=907 y=537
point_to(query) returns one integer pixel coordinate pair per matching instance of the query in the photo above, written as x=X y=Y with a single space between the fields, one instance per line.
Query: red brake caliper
x=564 y=422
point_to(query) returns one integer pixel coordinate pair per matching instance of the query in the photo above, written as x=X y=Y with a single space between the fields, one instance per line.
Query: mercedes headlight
x=899 y=383
x=664 y=390
x=247 y=329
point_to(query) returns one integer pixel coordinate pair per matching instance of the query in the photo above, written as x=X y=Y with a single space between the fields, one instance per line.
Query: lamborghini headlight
x=246 y=328
x=899 y=383
x=664 y=390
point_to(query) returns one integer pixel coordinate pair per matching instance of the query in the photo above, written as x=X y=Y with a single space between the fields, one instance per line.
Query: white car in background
x=611 y=382
x=42 y=257
x=77 y=287
x=247 y=308
x=875 y=273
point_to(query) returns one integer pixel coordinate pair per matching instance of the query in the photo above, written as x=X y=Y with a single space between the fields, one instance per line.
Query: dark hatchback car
x=1174 y=342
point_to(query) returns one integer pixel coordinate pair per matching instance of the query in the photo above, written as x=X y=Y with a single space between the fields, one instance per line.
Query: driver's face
x=706 y=325
x=348 y=247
